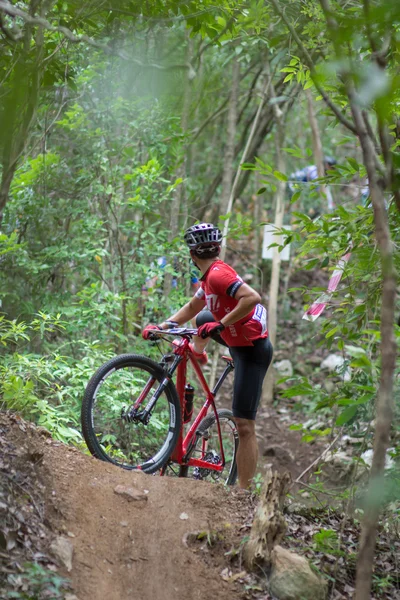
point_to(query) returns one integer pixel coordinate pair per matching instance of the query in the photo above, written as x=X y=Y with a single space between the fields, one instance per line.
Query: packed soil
x=126 y=535
x=123 y=548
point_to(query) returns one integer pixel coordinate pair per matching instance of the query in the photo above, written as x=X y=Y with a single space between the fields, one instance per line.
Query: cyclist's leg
x=247 y=453
x=202 y=317
x=251 y=365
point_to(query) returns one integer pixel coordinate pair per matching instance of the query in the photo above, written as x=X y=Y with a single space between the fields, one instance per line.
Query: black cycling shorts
x=251 y=366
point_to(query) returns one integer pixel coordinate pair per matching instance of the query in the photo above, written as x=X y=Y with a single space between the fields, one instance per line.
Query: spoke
x=130 y=442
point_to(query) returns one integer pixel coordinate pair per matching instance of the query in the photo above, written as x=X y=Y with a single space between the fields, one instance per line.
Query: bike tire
x=225 y=416
x=108 y=390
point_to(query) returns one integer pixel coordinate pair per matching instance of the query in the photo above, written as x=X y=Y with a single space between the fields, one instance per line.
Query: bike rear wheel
x=208 y=447
x=113 y=431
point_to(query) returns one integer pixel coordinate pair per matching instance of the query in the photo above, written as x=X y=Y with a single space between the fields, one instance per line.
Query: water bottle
x=188 y=408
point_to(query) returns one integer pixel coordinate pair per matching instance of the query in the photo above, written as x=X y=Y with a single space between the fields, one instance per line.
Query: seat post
x=229 y=367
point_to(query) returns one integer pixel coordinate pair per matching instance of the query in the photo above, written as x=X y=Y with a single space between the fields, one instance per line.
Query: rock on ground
x=62 y=548
x=292 y=578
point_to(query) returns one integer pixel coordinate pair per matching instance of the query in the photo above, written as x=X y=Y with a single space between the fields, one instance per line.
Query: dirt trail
x=125 y=549
x=134 y=549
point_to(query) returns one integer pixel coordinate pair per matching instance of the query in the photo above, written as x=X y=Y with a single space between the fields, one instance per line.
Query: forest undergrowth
x=122 y=124
x=322 y=510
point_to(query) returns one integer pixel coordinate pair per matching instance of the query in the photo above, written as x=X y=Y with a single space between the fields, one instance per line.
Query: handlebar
x=180 y=331
x=183 y=332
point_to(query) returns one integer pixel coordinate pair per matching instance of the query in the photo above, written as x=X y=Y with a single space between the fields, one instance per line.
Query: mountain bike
x=134 y=416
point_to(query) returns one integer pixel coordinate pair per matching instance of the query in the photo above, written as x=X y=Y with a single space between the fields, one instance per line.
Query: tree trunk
x=269 y=525
x=250 y=140
x=20 y=107
x=257 y=240
x=318 y=150
x=264 y=125
x=178 y=201
x=276 y=260
x=384 y=400
x=229 y=154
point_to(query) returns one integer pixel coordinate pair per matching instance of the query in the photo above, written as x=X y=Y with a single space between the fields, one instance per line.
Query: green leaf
x=295 y=197
x=332 y=332
x=261 y=191
x=280 y=176
x=346 y=415
x=325 y=262
x=355 y=351
x=353 y=163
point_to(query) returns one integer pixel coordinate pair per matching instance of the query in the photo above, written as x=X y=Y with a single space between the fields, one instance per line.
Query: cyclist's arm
x=247 y=299
x=186 y=313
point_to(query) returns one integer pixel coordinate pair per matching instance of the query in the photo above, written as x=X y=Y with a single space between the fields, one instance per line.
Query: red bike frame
x=185 y=444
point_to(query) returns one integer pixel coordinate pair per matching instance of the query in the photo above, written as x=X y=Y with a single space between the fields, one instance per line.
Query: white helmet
x=203 y=234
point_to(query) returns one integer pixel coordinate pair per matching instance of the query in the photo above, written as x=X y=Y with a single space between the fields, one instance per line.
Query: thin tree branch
x=336 y=111
x=320 y=457
x=220 y=110
x=367 y=15
x=250 y=94
x=371 y=132
x=379 y=55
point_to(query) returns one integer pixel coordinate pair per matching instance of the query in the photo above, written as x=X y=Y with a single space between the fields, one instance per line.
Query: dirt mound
x=119 y=535
x=127 y=531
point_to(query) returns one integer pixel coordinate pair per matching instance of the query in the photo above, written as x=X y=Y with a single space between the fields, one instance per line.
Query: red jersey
x=218 y=288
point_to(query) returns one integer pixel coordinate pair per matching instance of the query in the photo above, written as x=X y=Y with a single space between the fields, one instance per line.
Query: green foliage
x=46 y=389
x=326 y=540
x=37 y=583
x=257 y=483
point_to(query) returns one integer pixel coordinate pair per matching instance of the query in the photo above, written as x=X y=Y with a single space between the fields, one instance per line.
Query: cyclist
x=234 y=317
x=310 y=173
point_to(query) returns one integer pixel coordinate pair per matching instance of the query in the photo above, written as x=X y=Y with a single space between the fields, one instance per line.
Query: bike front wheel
x=208 y=448
x=114 y=430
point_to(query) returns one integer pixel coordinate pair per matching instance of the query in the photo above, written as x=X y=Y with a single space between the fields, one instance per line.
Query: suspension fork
x=146 y=412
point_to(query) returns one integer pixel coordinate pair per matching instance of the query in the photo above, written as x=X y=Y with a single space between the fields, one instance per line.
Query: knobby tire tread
x=120 y=361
